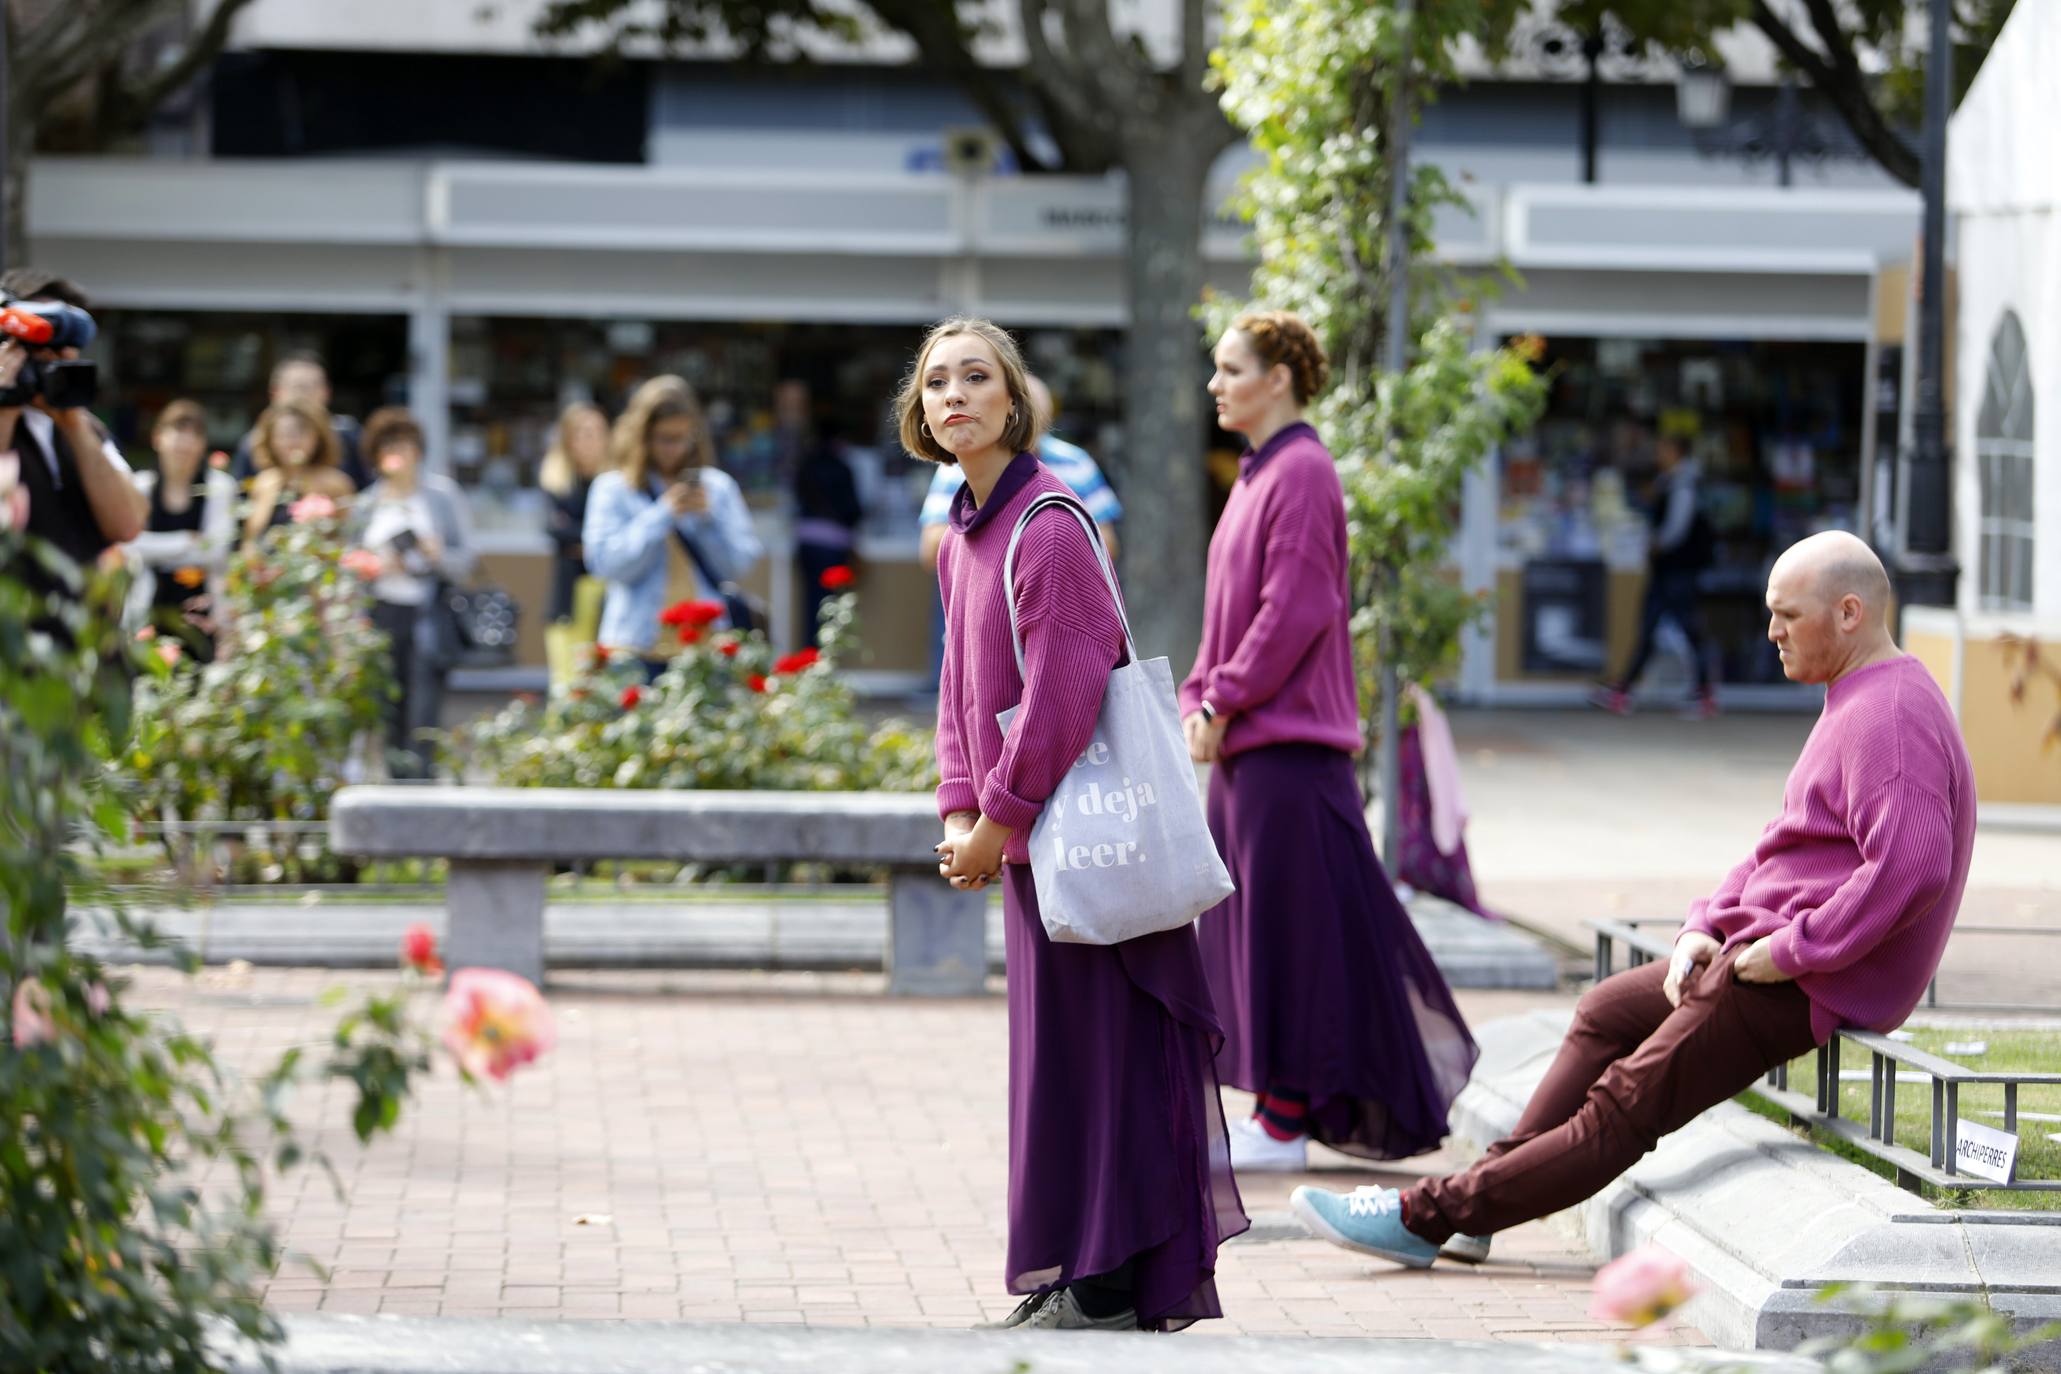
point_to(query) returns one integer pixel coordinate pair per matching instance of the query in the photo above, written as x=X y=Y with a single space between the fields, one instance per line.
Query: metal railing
x=1821 y=1109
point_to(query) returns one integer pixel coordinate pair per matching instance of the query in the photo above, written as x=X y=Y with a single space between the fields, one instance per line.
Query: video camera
x=40 y=326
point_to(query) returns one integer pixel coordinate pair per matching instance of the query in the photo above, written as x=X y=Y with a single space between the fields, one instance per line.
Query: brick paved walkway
x=767 y=1148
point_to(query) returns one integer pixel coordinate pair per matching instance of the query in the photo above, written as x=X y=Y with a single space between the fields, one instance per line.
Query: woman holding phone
x=667 y=524
x=1334 y=1013
x=1119 y=1190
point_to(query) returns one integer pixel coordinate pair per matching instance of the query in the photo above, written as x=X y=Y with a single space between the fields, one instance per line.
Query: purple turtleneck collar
x=1250 y=463
x=967 y=517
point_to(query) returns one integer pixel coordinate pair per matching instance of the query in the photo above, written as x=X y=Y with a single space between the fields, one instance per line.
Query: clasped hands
x=1205 y=736
x=970 y=855
x=1695 y=949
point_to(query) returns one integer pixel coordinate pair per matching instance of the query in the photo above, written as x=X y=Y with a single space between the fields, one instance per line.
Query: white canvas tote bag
x=1122 y=848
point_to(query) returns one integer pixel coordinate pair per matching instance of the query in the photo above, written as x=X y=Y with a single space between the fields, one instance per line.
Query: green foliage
x=264 y=732
x=1315 y=85
x=1905 y=1334
x=113 y=1256
x=726 y=713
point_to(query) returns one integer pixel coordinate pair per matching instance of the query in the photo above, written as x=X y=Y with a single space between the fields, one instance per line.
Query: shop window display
x=769 y=390
x=1774 y=430
x=223 y=359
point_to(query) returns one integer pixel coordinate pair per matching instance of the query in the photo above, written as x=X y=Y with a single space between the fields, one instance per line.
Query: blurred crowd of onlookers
x=641 y=516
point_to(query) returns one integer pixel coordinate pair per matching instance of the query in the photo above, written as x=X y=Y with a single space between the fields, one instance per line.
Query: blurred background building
x=459 y=218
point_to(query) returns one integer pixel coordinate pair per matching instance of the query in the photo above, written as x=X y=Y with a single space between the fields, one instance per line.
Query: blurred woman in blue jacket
x=667 y=524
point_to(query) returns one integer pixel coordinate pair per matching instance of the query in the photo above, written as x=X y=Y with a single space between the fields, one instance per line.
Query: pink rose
x=170 y=652
x=32 y=1023
x=314 y=506
x=363 y=562
x=1640 y=1288
x=98 y=999
x=495 y=1022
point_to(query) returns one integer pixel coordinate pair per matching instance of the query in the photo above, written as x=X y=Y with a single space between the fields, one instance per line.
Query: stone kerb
x=1767 y=1220
x=410 y=1345
x=500 y=843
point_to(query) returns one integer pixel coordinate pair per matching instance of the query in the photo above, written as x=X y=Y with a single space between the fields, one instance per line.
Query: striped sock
x=1283 y=1113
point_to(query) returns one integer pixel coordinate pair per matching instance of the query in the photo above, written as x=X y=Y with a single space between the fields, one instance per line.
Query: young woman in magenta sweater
x=1333 y=1011
x=1119 y=1185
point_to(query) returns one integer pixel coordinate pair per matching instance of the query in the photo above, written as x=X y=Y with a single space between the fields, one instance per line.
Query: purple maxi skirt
x=1319 y=977
x=1117 y=1149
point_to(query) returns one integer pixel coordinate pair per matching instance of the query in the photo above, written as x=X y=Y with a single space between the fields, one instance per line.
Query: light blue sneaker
x=1369 y=1220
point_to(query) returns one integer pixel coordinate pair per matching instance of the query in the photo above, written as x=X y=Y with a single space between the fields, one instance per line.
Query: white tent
x=2004 y=192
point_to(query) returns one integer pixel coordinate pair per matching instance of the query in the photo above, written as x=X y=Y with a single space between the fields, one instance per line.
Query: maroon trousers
x=1632 y=1069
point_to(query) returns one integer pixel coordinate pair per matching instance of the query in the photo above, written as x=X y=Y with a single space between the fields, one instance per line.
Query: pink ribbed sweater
x=1277 y=649
x=1859 y=879
x=1071 y=640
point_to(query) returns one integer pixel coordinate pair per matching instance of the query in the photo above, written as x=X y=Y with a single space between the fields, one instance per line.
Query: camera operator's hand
x=13 y=358
x=687 y=498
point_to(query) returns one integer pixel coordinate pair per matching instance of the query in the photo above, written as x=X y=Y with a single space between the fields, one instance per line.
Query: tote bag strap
x=1080 y=513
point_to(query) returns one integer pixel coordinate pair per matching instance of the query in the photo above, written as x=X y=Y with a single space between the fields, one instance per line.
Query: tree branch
x=1841 y=84
x=201 y=50
x=1106 y=65
x=1194 y=45
x=944 y=46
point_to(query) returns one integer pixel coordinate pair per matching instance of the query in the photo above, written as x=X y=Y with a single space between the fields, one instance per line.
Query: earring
x=924 y=430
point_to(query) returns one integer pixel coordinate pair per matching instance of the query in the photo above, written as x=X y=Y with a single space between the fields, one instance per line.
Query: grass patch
x=2008 y=1050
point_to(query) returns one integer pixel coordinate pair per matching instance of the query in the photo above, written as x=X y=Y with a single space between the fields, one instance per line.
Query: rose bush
x=113 y=1257
x=725 y=713
x=266 y=732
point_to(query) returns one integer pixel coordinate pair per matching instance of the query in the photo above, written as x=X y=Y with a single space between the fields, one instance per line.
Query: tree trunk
x=21 y=145
x=1164 y=535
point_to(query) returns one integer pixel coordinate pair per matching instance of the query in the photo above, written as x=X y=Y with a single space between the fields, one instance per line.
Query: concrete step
x=710 y=933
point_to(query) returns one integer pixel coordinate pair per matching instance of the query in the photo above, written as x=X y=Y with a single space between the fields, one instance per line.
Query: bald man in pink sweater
x=1837 y=918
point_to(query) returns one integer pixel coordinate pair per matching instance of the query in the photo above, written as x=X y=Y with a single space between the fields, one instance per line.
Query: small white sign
x=1984 y=1151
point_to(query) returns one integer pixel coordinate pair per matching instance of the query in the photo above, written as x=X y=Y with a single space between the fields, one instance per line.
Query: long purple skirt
x=1319 y=977
x=1117 y=1149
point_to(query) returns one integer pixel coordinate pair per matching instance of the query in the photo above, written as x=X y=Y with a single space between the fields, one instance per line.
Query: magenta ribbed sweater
x=1277 y=649
x=1071 y=640
x=1859 y=878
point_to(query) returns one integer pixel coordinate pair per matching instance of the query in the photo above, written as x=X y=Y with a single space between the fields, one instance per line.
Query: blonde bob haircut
x=1021 y=433
x=661 y=398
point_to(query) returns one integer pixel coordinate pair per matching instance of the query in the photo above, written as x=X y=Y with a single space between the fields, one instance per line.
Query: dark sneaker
x=1063 y=1313
x=1025 y=1310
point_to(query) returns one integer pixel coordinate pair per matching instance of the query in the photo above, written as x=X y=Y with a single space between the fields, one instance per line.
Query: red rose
x=757 y=682
x=699 y=614
x=600 y=656
x=836 y=579
x=631 y=696
x=728 y=648
x=798 y=662
x=419 y=951
x=689 y=635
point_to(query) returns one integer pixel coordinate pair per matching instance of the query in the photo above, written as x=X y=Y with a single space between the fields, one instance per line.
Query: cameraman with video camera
x=82 y=496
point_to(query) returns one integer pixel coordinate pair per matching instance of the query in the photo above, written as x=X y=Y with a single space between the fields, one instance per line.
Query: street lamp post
x=1787 y=133
x=5 y=95
x=1926 y=570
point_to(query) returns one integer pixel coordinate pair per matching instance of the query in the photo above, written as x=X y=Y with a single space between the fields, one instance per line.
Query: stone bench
x=501 y=843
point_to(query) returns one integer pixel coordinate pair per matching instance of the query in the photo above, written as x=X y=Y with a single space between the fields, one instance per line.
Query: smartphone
x=405 y=541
